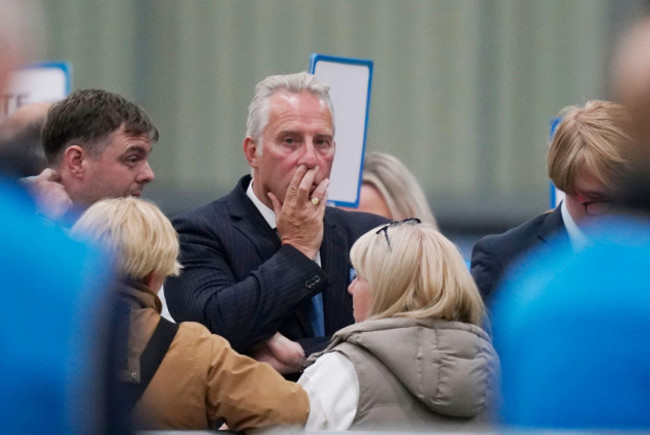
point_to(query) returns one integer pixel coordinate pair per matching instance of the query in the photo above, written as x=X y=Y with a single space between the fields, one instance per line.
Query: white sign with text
x=41 y=82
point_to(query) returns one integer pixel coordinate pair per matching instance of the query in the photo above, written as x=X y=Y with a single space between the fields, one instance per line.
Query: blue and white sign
x=35 y=83
x=350 y=82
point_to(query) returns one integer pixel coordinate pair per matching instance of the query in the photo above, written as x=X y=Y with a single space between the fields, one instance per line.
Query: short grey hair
x=258 y=110
x=398 y=186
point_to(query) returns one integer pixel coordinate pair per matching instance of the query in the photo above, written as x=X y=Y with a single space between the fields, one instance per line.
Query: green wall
x=462 y=90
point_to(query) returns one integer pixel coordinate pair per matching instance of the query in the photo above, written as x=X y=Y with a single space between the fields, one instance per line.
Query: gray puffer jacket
x=420 y=374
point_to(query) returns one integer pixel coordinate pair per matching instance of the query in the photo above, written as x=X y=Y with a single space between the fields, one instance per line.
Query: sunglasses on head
x=384 y=229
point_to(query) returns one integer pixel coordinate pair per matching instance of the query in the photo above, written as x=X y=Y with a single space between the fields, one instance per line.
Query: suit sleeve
x=486 y=268
x=244 y=311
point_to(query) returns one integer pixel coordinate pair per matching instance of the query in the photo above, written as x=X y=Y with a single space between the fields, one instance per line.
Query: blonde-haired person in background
x=590 y=155
x=389 y=189
x=201 y=379
x=417 y=357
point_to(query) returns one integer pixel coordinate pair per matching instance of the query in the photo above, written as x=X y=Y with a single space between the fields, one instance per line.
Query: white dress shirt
x=576 y=235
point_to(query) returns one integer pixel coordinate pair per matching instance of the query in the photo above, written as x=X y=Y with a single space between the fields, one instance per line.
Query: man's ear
x=73 y=160
x=250 y=151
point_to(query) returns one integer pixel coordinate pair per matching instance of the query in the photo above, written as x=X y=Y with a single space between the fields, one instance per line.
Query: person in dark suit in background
x=590 y=153
x=270 y=257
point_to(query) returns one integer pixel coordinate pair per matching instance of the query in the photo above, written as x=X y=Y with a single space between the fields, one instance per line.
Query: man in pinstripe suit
x=270 y=256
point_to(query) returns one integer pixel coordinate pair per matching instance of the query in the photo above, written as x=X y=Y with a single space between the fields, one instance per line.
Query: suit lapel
x=250 y=222
x=553 y=226
x=335 y=264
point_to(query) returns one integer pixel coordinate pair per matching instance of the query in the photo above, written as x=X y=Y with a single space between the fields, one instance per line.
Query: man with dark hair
x=97 y=145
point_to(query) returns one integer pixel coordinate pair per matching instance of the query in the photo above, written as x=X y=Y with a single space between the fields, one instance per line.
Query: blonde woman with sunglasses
x=417 y=358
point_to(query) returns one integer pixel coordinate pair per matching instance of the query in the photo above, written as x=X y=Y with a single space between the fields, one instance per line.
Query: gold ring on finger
x=315 y=201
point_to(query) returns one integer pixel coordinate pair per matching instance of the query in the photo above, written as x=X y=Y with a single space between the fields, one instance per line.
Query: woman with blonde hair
x=389 y=189
x=417 y=356
x=198 y=379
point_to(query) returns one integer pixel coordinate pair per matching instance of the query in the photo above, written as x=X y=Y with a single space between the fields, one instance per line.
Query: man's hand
x=282 y=354
x=299 y=221
x=51 y=198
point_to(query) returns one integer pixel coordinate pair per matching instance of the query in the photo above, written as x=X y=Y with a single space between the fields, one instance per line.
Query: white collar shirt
x=576 y=235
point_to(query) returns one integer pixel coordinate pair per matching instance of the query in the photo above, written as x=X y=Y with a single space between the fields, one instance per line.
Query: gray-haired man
x=271 y=256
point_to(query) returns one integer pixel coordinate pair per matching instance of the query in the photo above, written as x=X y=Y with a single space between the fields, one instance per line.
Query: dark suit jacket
x=492 y=255
x=243 y=284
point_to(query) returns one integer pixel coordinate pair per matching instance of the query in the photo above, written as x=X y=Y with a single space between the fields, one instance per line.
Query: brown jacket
x=202 y=379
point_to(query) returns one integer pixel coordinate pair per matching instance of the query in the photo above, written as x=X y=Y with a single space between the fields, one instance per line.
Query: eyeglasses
x=596 y=208
x=384 y=229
